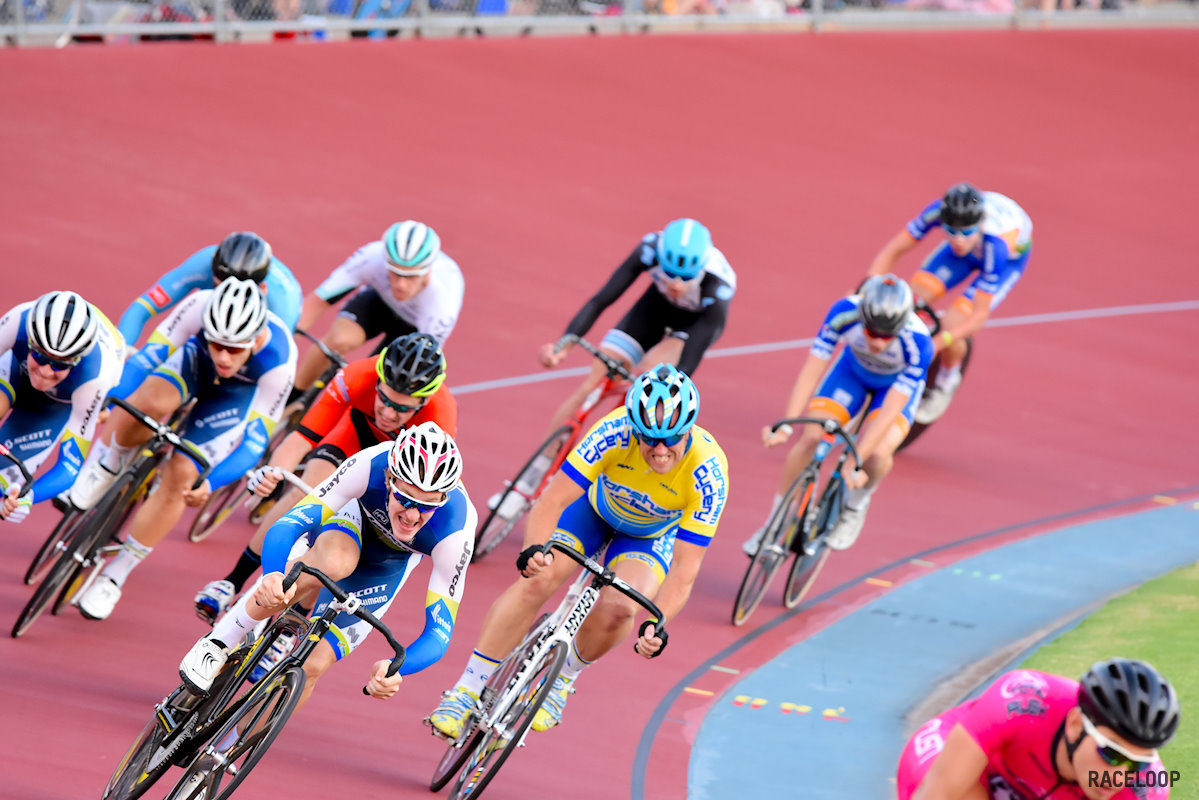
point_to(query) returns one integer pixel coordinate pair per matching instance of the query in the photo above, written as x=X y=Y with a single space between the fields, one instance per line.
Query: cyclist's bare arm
x=312 y=310
x=956 y=772
x=979 y=312
x=801 y=394
x=885 y=261
x=543 y=517
x=684 y=569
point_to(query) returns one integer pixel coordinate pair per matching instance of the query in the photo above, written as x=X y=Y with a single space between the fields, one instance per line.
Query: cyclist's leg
x=995 y=287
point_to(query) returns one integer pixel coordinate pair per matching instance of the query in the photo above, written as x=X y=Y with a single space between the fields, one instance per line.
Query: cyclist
x=59 y=356
x=225 y=349
x=684 y=309
x=651 y=485
x=885 y=360
x=369 y=401
x=239 y=255
x=405 y=284
x=410 y=497
x=986 y=233
x=1026 y=736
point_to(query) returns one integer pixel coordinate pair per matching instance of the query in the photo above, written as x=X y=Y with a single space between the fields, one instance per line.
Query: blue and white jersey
x=283 y=294
x=68 y=411
x=1007 y=237
x=178 y=352
x=448 y=538
x=434 y=310
x=719 y=282
x=903 y=365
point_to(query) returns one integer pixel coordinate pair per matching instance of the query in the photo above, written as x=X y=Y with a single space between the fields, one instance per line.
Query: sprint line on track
x=794 y=344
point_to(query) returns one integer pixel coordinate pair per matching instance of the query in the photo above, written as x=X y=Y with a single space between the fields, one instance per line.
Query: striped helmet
x=426 y=457
x=235 y=312
x=662 y=403
x=62 y=325
x=411 y=247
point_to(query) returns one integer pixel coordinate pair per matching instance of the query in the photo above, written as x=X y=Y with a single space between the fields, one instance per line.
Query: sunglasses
x=399 y=408
x=43 y=360
x=233 y=350
x=1112 y=754
x=421 y=506
x=951 y=231
x=669 y=441
x=879 y=337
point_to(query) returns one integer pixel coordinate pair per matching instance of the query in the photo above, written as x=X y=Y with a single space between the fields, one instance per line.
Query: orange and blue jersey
x=999 y=259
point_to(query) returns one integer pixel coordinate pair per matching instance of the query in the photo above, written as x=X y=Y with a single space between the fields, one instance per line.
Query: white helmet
x=411 y=247
x=235 y=313
x=62 y=325
x=426 y=457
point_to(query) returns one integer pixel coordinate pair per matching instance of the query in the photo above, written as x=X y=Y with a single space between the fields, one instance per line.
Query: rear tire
x=492 y=748
x=774 y=548
x=495 y=527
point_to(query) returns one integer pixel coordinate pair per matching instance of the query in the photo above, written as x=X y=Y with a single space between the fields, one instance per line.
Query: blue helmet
x=683 y=248
x=662 y=403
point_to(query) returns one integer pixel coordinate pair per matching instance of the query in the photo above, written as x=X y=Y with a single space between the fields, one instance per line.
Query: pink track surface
x=541 y=162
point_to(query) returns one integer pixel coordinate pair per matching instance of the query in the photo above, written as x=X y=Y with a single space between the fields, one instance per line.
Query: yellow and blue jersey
x=636 y=501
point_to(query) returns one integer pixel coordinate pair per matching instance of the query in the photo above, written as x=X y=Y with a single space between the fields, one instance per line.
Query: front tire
x=216 y=510
x=774 y=548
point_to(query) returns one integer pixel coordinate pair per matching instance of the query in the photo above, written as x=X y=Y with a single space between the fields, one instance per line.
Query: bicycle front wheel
x=497 y=742
x=153 y=750
x=54 y=545
x=216 y=510
x=259 y=720
x=809 y=546
x=519 y=494
x=774 y=547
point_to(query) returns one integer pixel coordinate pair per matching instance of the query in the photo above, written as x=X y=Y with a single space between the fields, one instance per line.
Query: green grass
x=1156 y=623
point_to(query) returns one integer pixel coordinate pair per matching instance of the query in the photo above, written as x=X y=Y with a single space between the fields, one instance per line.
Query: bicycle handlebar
x=830 y=426
x=608 y=578
x=11 y=456
x=929 y=314
x=615 y=367
x=342 y=596
x=324 y=348
x=168 y=435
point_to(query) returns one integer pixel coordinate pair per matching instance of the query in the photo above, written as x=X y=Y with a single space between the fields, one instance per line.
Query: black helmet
x=242 y=255
x=412 y=364
x=1131 y=698
x=962 y=206
x=886 y=304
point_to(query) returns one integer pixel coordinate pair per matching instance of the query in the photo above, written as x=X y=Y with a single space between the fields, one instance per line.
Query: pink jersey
x=1016 y=722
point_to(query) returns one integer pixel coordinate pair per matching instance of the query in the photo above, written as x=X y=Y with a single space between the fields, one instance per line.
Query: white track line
x=794 y=344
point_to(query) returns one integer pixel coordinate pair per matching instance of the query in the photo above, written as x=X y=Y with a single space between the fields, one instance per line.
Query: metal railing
x=62 y=22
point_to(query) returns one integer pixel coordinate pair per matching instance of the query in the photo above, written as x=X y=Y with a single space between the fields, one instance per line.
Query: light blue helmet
x=411 y=247
x=683 y=248
x=662 y=403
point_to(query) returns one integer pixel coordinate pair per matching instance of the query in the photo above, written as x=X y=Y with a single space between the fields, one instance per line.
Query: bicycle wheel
x=216 y=510
x=55 y=543
x=918 y=428
x=458 y=751
x=774 y=548
x=494 y=746
x=526 y=485
x=90 y=532
x=259 y=719
x=811 y=551
x=154 y=749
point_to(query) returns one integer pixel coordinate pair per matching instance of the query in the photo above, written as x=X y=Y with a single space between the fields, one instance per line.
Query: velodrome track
x=541 y=162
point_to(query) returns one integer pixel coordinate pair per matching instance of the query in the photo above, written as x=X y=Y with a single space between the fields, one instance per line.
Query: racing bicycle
x=799 y=526
x=520 y=684
x=520 y=493
x=217 y=737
